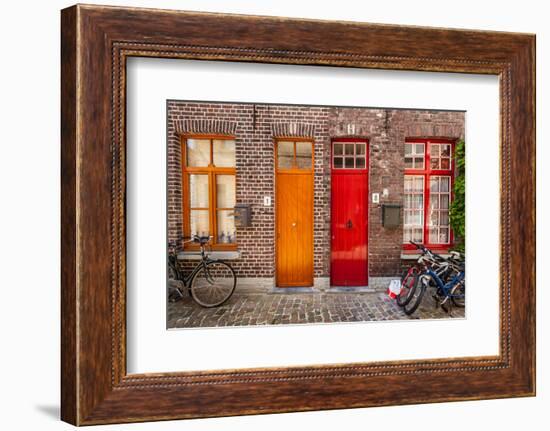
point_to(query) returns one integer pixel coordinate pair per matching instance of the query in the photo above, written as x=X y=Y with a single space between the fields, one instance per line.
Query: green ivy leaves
x=458 y=205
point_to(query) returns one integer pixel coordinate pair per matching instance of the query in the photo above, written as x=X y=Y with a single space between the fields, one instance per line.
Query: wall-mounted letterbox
x=243 y=215
x=391 y=215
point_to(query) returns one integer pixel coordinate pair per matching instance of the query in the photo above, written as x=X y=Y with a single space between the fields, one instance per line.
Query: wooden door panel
x=294 y=208
x=349 y=254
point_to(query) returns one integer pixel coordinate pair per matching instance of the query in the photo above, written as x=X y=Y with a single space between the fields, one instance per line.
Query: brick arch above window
x=352 y=130
x=206 y=127
x=363 y=137
x=297 y=130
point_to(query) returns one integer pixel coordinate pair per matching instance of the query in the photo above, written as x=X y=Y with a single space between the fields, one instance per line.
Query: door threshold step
x=286 y=290
x=350 y=289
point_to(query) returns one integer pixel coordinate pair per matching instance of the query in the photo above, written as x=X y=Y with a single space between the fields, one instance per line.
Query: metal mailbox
x=243 y=215
x=391 y=215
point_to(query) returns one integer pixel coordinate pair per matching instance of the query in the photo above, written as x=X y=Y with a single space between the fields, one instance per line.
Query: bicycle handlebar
x=427 y=251
x=202 y=240
x=419 y=246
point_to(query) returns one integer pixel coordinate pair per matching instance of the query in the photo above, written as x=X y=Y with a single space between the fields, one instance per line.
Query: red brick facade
x=254 y=127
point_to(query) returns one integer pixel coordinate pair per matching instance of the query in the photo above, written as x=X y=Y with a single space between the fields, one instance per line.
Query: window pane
x=408 y=183
x=224 y=153
x=338 y=162
x=418 y=184
x=349 y=149
x=408 y=149
x=419 y=163
x=417 y=235
x=433 y=237
x=198 y=190
x=285 y=154
x=434 y=150
x=198 y=152
x=434 y=184
x=226 y=227
x=225 y=191
x=446 y=150
x=434 y=201
x=444 y=202
x=418 y=201
x=360 y=162
x=443 y=235
x=444 y=181
x=407 y=217
x=360 y=149
x=419 y=148
x=434 y=163
x=444 y=218
x=338 y=149
x=407 y=234
x=349 y=162
x=445 y=164
x=199 y=223
x=303 y=155
x=408 y=162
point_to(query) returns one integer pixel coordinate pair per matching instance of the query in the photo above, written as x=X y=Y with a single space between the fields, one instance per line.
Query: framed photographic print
x=278 y=214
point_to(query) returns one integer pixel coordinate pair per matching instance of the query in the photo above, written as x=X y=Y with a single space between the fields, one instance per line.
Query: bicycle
x=455 y=291
x=210 y=283
x=446 y=277
x=409 y=278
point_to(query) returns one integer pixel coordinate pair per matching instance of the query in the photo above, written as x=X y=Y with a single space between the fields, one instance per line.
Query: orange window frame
x=211 y=171
x=294 y=169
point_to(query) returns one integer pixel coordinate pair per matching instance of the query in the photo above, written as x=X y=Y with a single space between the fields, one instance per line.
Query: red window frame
x=351 y=141
x=427 y=172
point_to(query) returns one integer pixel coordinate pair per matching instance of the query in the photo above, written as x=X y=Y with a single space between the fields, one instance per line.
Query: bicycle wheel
x=408 y=283
x=458 y=294
x=213 y=284
x=416 y=295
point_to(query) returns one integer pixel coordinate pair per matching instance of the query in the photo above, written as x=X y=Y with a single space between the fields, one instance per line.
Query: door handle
x=349 y=224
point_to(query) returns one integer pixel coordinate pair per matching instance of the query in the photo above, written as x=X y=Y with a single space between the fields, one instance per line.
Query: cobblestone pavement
x=247 y=309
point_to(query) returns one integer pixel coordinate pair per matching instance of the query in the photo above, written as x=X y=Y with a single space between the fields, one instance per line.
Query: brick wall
x=254 y=128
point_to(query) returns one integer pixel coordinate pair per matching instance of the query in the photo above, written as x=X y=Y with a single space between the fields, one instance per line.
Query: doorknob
x=293 y=224
x=349 y=224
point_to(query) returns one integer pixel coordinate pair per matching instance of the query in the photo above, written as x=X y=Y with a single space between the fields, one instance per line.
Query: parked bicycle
x=409 y=278
x=450 y=290
x=210 y=283
x=446 y=276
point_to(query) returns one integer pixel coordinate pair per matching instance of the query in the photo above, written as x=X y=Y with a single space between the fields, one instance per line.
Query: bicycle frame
x=446 y=288
x=185 y=279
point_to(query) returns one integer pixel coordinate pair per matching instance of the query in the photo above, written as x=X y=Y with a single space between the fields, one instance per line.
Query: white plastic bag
x=394 y=289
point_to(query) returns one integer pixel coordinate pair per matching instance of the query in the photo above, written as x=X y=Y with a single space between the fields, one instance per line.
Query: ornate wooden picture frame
x=96 y=42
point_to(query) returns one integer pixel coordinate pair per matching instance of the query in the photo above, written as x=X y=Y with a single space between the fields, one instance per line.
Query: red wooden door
x=349 y=213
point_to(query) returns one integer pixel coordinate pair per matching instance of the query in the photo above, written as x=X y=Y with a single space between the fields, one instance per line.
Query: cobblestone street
x=247 y=309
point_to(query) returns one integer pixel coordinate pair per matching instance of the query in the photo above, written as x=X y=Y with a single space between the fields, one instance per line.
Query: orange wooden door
x=294 y=225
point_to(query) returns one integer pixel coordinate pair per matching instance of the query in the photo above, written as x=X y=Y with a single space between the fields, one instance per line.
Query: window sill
x=214 y=254
x=413 y=255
